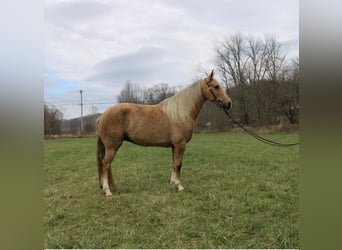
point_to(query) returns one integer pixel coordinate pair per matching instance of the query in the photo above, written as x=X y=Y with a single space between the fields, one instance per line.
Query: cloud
x=64 y=13
x=98 y=45
x=148 y=65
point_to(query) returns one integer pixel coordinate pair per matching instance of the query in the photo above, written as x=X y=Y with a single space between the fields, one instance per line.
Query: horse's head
x=214 y=92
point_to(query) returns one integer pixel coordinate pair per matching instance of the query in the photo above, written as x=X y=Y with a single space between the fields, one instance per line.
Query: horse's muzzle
x=227 y=105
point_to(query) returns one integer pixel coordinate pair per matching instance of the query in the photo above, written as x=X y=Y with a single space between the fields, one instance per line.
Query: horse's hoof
x=108 y=193
x=180 y=188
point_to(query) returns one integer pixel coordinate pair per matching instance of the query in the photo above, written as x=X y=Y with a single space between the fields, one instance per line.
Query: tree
x=131 y=93
x=158 y=93
x=52 y=121
x=90 y=121
x=289 y=101
x=232 y=60
x=258 y=78
x=94 y=110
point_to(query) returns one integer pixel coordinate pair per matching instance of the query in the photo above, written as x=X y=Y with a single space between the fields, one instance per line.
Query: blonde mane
x=182 y=105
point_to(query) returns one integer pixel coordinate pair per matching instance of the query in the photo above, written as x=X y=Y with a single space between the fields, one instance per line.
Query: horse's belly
x=149 y=137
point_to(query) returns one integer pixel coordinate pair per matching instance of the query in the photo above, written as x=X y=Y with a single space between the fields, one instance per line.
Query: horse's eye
x=217 y=87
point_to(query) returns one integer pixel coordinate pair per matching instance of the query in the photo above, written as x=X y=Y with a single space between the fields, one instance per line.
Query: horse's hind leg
x=111 y=180
x=107 y=177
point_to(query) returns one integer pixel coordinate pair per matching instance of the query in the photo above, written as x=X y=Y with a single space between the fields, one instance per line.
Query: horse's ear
x=212 y=74
x=210 y=77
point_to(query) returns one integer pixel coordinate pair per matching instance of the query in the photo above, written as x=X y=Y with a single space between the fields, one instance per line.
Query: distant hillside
x=72 y=126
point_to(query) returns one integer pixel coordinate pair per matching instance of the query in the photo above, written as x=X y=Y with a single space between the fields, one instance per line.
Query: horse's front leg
x=177 y=158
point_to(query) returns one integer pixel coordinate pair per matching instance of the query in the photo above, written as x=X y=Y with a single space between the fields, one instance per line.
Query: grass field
x=239 y=193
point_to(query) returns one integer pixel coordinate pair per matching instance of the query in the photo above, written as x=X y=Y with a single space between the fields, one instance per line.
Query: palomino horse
x=167 y=124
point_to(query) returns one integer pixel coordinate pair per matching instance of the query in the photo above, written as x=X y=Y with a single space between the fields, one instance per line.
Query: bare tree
x=257 y=75
x=94 y=110
x=52 y=121
x=131 y=93
x=90 y=121
x=289 y=89
x=232 y=60
x=158 y=93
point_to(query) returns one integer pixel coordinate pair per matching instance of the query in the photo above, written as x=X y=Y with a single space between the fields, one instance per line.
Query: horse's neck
x=197 y=109
x=185 y=105
x=198 y=102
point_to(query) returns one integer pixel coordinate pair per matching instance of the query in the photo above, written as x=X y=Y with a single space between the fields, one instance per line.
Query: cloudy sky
x=98 y=45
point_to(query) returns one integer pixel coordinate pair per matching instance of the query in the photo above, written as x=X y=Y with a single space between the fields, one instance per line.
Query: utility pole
x=81 y=125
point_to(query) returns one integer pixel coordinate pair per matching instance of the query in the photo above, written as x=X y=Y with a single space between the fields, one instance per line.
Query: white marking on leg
x=174 y=180
x=105 y=184
x=173 y=177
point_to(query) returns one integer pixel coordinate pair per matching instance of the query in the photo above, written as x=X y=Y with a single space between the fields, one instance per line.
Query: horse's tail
x=100 y=152
x=99 y=157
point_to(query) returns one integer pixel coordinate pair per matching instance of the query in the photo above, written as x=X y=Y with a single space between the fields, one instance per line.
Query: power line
x=84 y=104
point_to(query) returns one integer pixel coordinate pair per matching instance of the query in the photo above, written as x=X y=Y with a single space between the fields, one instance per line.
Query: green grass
x=239 y=193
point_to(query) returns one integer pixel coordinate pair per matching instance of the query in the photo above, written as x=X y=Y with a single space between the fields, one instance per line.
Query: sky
x=98 y=45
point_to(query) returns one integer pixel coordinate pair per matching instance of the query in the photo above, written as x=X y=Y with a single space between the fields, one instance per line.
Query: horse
x=169 y=123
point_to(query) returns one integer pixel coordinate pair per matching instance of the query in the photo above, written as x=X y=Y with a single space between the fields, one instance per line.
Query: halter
x=218 y=101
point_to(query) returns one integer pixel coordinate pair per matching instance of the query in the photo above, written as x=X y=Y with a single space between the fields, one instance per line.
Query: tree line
x=52 y=121
x=133 y=93
x=261 y=81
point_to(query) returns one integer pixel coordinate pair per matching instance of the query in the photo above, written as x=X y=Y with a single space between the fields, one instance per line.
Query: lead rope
x=258 y=137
